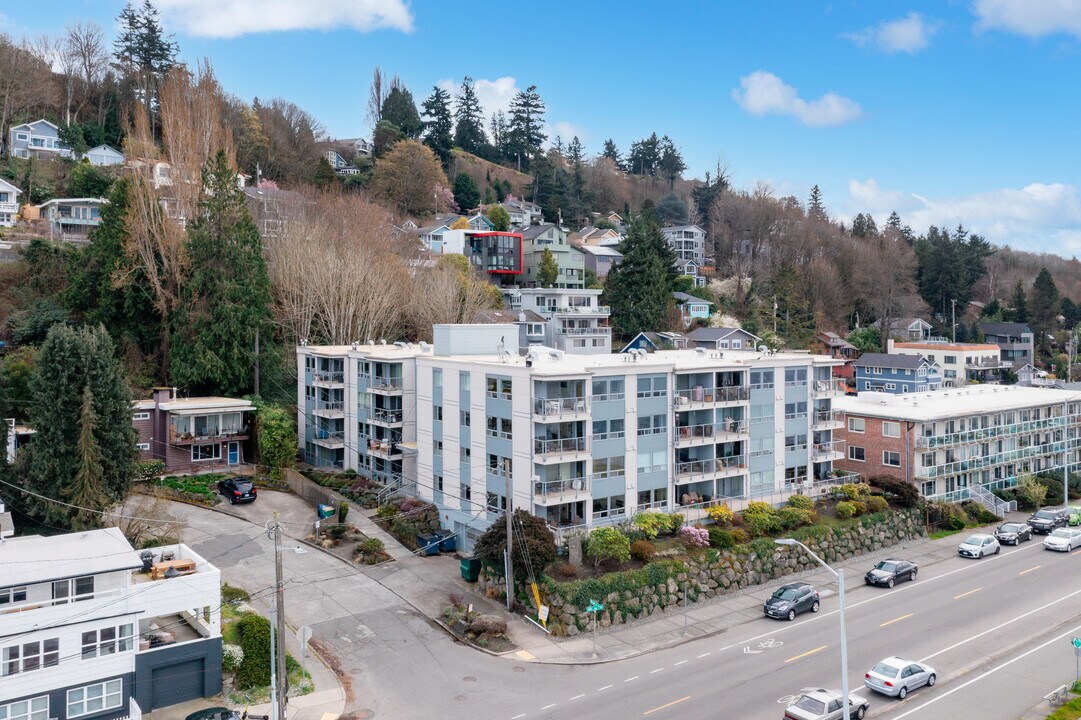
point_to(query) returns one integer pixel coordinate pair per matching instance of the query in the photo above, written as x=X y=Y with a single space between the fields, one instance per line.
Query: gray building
x=1015 y=340
x=38 y=139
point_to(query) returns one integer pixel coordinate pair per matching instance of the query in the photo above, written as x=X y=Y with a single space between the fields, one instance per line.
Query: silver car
x=823 y=704
x=978 y=545
x=1063 y=539
x=896 y=676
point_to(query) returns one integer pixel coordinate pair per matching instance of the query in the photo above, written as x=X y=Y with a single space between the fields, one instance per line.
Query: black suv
x=790 y=600
x=1046 y=520
x=237 y=489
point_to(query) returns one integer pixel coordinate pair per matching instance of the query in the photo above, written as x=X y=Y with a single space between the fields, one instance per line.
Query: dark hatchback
x=1013 y=533
x=1046 y=520
x=214 y=713
x=790 y=600
x=237 y=489
x=890 y=572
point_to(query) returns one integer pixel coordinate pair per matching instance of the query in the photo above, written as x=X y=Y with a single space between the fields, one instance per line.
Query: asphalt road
x=997 y=631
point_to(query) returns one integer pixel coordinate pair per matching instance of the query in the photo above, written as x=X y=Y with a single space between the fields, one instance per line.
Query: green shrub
x=720 y=514
x=372 y=546
x=231 y=657
x=861 y=507
x=763 y=547
x=232 y=594
x=254 y=669
x=854 y=491
x=721 y=539
x=791 y=518
x=846 y=509
x=337 y=532
x=343 y=510
x=901 y=492
x=149 y=470
x=761 y=519
x=802 y=502
x=675 y=522
x=642 y=550
x=741 y=536
x=1031 y=493
x=651 y=523
x=876 y=503
x=607 y=543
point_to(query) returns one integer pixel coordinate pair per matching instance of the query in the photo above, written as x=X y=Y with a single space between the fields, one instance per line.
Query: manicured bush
x=720 y=514
x=761 y=519
x=675 y=522
x=854 y=491
x=343 y=510
x=149 y=470
x=802 y=502
x=608 y=544
x=254 y=668
x=651 y=523
x=642 y=550
x=694 y=537
x=721 y=539
x=876 y=503
x=846 y=509
x=791 y=518
x=337 y=532
x=231 y=657
x=901 y=492
x=741 y=536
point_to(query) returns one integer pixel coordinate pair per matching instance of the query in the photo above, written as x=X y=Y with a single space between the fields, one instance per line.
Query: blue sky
x=945 y=111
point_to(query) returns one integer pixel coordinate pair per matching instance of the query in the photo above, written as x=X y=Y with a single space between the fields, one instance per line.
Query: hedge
x=581 y=592
x=254 y=670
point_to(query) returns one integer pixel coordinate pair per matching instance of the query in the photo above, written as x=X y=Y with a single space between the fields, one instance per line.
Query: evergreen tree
x=88 y=491
x=670 y=163
x=72 y=364
x=384 y=137
x=705 y=195
x=465 y=192
x=863 y=226
x=949 y=266
x=438 y=123
x=1018 y=311
x=144 y=53
x=671 y=210
x=815 y=209
x=645 y=156
x=500 y=218
x=400 y=111
x=578 y=196
x=226 y=300
x=894 y=222
x=611 y=152
x=639 y=289
x=468 y=119
x=500 y=137
x=547 y=270
x=324 y=178
x=1044 y=304
x=526 y=125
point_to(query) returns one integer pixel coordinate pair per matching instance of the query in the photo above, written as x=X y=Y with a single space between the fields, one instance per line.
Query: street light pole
x=840 y=575
x=279 y=678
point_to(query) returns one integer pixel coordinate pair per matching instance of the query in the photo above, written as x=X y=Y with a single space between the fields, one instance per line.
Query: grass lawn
x=202 y=486
x=1069 y=711
x=939 y=534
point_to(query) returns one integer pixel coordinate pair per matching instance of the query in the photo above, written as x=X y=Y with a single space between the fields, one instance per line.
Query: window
x=205 y=452
x=950 y=359
x=656 y=461
x=437 y=412
x=495 y=503
x=439 y=483
x=463 y=418
x=856 y=453
x=30 y=656
x=463 y=455
x=534 y=329
x=890 y=386
x=927 y=488
x=607 y=429
x=891 y=458
x=795 y=410
x=652 y=386
x=795 y=376
x=795 y=442
x=438 y=449
x=33 y=709
x=891 y=429
x=463 y=381
x=465 y=491
x=24 y=137
x=12 y=595
x=608 y=389
x=107 y=641
x=145 y=447
x=856 y=425
x=609 y=467
x=141 y=416
x=437 y=377
x=652 y=424
x=95 y=698
x=737 y=344
x=761 y=379
x=74 y=587
x=928 y=459
x=876 y=371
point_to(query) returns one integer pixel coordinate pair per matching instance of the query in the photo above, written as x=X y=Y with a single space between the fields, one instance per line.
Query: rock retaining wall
x=634 y=594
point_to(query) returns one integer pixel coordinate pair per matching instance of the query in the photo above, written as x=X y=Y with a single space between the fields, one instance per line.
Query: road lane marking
x=1001 y=625
x=891 y=622
x=1026 y=572
x=703 y=655
x=631 y=678
x=526 y=655
x=578 y=697
x=655 y=671
x=606 y=687
x=966 y=594
x=516 y=717
x=662 y=707
x=1023 y=655
x=1075 y=552
x=820 y=648
x=679 y=663
x=548 y=707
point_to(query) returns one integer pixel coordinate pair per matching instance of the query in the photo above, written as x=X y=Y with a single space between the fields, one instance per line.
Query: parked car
x=1013 y=533
x=237 y=489
x=790 y=600
x=978 y=545
x=896 y=676
x=1074 y=515
x=889 y=572
x=823 y=704
x=1063 y=540
x=214 y=713
x=1046 y=520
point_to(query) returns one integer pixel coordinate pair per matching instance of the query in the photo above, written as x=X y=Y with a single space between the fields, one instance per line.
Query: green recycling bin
x=470 y=569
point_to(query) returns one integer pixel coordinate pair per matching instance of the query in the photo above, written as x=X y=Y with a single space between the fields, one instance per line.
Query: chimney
x=163 y=394
x=889 y=345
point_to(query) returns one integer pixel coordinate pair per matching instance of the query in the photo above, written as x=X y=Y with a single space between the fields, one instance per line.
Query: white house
x=92 y=628
x=688 y=241
x=104 y=155
x=523 y=213
x=9 y=203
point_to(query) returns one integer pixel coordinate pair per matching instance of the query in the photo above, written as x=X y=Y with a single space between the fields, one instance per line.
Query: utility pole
x=510 y=538
x=953 y=304
x=281 y=689
x=256 y=362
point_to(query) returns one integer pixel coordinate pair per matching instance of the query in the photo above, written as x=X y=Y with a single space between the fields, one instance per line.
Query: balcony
x=187 y=438
x=595 y=310
x=701 y=396
x=833 y=387
x=329 y=409
x=557 y=409
x=562 y=490
x=388 y=418
x=559 y=449
x=711 y=468
x=987 y=363
x=591 y=331
x=386 y=385
x=990 y=433
x=825 y=452
x=386 y=448
x=9 y=207
x=328 y=379
x=691 y=435
x=330 y=439
x=828 y=420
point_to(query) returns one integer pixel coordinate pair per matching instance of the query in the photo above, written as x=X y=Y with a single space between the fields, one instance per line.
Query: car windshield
x=242 y=485
x=1061 y=533
x=786 y=594
x=810 y=704
x=886 y=669
x=1009 y=527
x=1045 y=515
x=974 y=540
x=886 y=566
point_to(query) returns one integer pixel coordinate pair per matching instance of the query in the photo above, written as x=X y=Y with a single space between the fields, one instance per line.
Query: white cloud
x=567 y=131
x=763 y=93
x=1032 y=18
x=1042 y=217
x=493 y=94
x=233 y=18
x=909 y=34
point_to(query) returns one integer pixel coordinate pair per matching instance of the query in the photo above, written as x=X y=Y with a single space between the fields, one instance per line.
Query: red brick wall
x=874 y=444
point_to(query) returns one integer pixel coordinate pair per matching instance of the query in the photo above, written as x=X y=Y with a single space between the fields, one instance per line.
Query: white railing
x=828 y=388
x=828 y=417
x=711 y=466
x=554 y=407
x=586 y=331
x=735 y=393
x=547 y=488
x=559 y=445
x=692 y=432
x=386 y=383
x=330 y=377
x=824 y=450
x=386 y=416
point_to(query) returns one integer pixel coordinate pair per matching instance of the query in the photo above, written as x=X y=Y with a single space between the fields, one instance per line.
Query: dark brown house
x=192 y=434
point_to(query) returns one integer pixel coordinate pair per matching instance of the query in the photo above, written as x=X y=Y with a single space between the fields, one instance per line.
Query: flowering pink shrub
x=694 y=537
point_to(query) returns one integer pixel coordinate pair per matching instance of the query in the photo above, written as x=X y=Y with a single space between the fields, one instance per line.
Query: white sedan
x=978 y=545
x=1063 y=539
x=895 y=676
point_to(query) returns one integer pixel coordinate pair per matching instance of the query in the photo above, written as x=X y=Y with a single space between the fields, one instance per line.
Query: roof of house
x=833 y=340
x=197 y=405
x=897 y=362
x=954 y=402
x=905 y=322
x=35 y=122
x=685 y=298
x=961 y=347
x=33 y=558
x=601 y=250
x=1004 y=328
x=713 y=334
x=14 y=189
x=509 y=316
x=105 y=147
x=674 y=228
x=58 y=201
x=536 y=230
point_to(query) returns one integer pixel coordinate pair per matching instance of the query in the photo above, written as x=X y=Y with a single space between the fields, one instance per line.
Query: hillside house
x=654 y=341
x=691 y=308
x=523 y=213
x=72 y=219
x=193 y=434
x=688 y=242
x=600 y=259
x=36 y=139
x=9 y=203
x=104 y=156
x=571 y=260
x=723 y=339
x=896 y=374
x=1015 y=340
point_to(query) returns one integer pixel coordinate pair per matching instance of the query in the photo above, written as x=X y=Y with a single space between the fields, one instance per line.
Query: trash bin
x=428 y=543
x=448 y=541
x=470 y=569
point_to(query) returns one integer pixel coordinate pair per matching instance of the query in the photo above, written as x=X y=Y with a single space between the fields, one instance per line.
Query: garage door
x=176 y=684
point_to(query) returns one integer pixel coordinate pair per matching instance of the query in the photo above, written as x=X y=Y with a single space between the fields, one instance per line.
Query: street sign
x=1076 y=643
x=304 y=634
x=594 y=606
x=542 y=614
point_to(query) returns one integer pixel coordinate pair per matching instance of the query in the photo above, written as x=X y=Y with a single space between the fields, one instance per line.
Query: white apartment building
x=576 y=322
x=688 y=241
x=961 y=363
x=964 y=442
x=582 y=439
x=85 y=633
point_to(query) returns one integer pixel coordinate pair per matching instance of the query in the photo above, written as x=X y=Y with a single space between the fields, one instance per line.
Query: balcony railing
x=699 y=395
x=559 y=446
x=187 y=438
x=993 y=432
x=329 y=377
x=556 y=407
x=596 y=331
x=695 y=432
x=824 y=418
x=386 y=417
x=385 y=448
x=615 y=435
x=999 y=458
x=567 y=486
x=594 y=310
x=822 y=452
x=331 y=408
x=828 y=388
x=711 y=467
x=329 y=438
x=9 y=207
x=386 y=384
x=987 y=364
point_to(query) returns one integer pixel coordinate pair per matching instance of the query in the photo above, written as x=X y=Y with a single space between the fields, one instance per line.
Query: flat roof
x=952 y=402
x=990 y=347
x=33 y=558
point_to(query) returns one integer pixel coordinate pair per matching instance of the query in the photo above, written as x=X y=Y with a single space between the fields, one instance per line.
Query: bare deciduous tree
x=26 y=84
